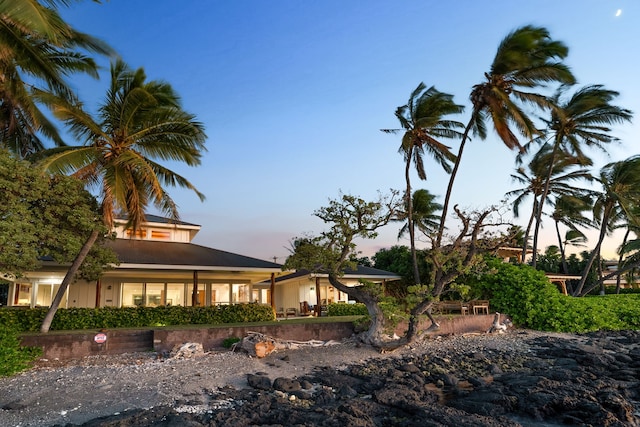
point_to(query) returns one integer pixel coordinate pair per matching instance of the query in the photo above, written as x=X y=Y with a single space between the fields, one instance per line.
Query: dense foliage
x=13 y=357
x=347 y=310
x=133 y=317
x=45 y=216
x=531 y=301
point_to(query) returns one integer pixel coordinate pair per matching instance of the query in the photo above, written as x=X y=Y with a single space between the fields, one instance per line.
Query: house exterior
x=158 y=266
x=304 y=291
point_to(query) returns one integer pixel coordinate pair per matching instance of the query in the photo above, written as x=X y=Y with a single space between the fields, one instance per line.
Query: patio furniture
x=448 y=307
x=480 y=306
x=291 y=312
x=280 y=312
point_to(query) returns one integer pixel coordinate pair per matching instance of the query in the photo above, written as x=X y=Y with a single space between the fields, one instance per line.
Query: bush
x=29 y=320
x=342 y=309
x=13 y=357
x=229 y=342
x=527 y=296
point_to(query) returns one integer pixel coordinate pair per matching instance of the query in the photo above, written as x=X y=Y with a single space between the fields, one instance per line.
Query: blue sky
x=293 y=95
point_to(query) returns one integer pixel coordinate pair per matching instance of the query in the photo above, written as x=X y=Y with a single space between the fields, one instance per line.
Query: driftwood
x=260 y=345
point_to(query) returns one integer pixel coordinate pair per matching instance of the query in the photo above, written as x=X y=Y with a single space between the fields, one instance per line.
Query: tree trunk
x=563 y=257
x=374 y=334
x=594 y=254
x=414 y=320
x=528 y=230
x=545 y=192
x=412 y=234
x=71 y=273
x=620 y=259
x=452 y=177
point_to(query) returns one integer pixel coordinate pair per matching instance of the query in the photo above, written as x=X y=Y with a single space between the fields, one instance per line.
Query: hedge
x=29 y=320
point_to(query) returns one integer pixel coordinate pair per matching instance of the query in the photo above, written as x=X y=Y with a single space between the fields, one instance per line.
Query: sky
x=293 y=95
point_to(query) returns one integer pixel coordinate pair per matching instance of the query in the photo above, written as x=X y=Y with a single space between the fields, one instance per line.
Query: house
x=304 y=291
x=158 y=266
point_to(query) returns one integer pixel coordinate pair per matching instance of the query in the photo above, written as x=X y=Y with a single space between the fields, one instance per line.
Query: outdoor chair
x=291 y=312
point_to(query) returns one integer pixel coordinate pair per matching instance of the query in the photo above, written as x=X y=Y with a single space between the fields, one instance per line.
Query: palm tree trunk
x=618 y=276
x=545 y=192
x=594 y=254
x=528 y=230
x=412 y=235
x=452 y=177
x=563 y=258
x=71 y=273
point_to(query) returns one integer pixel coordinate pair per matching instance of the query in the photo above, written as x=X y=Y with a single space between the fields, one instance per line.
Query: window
x=160 y=235
x=139 y=234
x=219 y=293
x=241 y=293
x=154 y=295
x=132 y=294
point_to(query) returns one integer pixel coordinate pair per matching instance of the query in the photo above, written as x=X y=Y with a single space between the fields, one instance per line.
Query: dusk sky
x=293 y=95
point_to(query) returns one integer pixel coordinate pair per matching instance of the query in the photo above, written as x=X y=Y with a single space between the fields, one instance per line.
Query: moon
x=619 y=12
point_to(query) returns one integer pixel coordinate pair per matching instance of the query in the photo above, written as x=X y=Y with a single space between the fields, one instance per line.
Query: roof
x=160 y=220
x=361 y=272
x=154 y=253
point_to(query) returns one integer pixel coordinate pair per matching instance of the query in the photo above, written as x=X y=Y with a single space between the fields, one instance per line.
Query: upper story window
x=139 y=234
x=160 y=235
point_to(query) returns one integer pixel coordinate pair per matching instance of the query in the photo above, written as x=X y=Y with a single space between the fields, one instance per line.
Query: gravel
x=74 y=392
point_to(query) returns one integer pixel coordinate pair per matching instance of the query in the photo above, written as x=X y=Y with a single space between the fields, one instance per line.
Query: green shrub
x=29 y=320
x=229 y=342
x=13 y=357
x=342 y=309
x=531 y=301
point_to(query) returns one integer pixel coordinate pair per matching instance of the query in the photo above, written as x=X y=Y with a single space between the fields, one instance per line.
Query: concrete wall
x=77 y=345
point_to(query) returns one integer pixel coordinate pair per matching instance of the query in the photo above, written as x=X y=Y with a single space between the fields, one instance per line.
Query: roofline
x=196 y=267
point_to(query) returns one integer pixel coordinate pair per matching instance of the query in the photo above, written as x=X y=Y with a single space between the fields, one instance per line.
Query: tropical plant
x=618 y=198
x=568 y=210
x=38 y=51
x=526 y=58
x=562 y=182
x=137 y=123
x=582 y=120
x=422 y=121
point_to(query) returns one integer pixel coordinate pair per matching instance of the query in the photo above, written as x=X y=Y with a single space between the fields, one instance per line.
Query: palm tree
x=562 y=183
x=526 y=58
x=38 y=50
x=422 y=121
x=582 y=120
x=138 y=122
x=620 y=192
x=568 y=210
x=425 y=217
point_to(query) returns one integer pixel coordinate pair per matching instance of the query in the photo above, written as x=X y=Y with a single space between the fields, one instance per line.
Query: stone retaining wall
x=66 y=346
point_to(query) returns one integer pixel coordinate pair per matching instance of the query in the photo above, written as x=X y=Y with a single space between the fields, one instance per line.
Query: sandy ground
x=56 y=393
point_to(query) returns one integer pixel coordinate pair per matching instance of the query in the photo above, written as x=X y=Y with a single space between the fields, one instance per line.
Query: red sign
x=100 y=338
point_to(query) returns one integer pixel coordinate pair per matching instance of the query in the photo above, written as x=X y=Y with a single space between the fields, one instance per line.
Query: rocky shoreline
x=521 y=378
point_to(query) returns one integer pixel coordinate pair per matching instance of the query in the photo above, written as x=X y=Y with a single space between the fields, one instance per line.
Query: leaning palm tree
x=582 y=120
x=38 y=51
x=137 y=123
x=526 y=58
x=422 y=121
x=618 y=199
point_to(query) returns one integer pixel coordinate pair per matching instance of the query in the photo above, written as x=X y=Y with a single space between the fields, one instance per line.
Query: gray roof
x=161 y=220
x=132 y=251
x=361 y=271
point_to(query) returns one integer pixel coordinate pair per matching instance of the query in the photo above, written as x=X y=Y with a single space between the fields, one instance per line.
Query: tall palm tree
x=582 y=120
x=38 y=51
x=533 y=180
x=422 y=121
x=526 y=59
x=619 y=196
x=137 y=123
